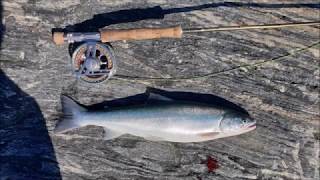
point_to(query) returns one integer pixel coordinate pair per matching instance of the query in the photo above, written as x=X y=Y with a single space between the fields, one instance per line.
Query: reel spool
x=93 y=62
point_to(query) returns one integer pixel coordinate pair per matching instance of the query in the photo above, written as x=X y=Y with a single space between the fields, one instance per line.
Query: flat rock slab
x=273 y=74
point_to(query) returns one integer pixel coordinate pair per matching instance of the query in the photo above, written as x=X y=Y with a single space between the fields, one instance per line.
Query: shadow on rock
x=175 y=95
x=26 y=150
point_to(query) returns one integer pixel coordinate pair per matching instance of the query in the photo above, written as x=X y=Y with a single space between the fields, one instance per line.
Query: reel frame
x=93 y=62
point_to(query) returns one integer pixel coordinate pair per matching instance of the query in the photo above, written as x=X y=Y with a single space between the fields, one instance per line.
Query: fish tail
x=71 y=110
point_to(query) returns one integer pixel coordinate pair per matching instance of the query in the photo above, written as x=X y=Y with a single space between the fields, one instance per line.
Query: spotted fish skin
x=167 y=120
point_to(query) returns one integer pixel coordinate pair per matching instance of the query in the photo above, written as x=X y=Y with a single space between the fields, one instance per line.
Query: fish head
x=237 y=123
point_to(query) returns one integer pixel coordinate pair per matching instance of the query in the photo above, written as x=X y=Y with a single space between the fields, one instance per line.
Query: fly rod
x=93 y=61
x=106 y=35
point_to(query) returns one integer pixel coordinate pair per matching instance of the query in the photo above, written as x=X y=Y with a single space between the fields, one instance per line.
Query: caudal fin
x=71 y=110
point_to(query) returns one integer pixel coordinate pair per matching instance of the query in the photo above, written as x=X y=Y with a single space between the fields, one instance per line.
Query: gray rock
x=263 y=71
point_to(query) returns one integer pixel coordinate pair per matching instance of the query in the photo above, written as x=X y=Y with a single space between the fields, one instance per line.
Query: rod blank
x=233 y=28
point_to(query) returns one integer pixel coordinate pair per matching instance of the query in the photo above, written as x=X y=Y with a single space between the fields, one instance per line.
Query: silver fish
x=166 y=121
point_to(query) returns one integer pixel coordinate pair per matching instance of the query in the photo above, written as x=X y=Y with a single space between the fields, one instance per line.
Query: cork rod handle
x=140 y=34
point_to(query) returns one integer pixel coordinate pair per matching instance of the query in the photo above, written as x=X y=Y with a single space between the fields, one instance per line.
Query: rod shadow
x=132 y=15
x=26 y=150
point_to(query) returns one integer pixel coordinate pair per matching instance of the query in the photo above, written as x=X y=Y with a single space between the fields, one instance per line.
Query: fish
x=167 y=120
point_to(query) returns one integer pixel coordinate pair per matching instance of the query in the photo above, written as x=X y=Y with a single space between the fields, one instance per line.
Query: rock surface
x=273 y=74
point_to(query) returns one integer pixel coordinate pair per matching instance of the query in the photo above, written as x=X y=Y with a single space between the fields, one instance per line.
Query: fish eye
x=245 y=120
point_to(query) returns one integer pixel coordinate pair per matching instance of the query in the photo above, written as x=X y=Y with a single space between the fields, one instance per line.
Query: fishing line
x=279 y=58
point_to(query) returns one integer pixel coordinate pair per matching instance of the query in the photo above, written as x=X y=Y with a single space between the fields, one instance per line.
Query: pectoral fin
x=111 y=134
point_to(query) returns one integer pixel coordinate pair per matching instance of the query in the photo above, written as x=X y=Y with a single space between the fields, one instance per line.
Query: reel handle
x=58 y=38
x=140 y=34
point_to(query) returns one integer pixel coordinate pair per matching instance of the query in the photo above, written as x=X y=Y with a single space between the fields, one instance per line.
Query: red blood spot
x=212 y=164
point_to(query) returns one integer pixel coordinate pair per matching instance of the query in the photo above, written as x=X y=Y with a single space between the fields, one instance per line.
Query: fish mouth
x=252 y=126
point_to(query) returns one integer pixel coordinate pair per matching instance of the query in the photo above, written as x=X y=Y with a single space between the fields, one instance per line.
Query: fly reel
x=93 y=62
